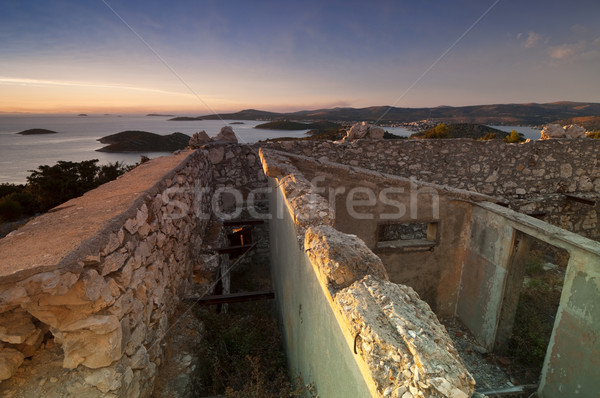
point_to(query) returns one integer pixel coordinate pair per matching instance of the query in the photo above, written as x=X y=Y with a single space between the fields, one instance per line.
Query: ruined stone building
x=371 y=244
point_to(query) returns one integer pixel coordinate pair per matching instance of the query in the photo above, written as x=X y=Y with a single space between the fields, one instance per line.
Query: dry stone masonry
x=99 y=294
x=535 y=177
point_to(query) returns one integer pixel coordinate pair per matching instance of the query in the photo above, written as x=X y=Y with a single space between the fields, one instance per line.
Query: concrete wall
x=534 y=176
x=571 y=363
x=572 y=366
x=347 y=328
x=433 y=271
x=315 y=345
x=494 y=240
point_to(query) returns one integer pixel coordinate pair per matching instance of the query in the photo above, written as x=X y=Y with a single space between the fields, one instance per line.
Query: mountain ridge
x=510 y=114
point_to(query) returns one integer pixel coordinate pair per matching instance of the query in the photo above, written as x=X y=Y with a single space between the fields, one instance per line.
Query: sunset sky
x=203 y=56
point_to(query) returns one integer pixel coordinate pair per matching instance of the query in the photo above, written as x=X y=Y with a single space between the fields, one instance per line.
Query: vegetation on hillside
x=461 y=130
x=507 y=114
x=143 y=141
x=488 y=136
x=329 y=134
x=594 y=135
x=290 y=125
x=590 y=123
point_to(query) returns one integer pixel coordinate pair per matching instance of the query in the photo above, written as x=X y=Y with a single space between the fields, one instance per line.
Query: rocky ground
x=491 y=372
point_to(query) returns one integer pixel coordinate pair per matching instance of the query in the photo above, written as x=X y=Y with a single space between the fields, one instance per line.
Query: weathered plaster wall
x=335 y=301
x=484 y=272
x=492 y=239
x=433 y=271
x=363 y=201
x=572 y=366
x=571 y=363
x=315 y=346
x=528 y=175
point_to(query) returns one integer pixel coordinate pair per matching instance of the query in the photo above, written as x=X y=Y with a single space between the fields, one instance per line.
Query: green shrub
x=488 y=136
x=514 y=137
x=594 y=135
x=440 y=131
x=10 y=209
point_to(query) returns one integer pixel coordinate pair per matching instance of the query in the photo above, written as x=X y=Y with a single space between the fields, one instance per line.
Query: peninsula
x=143 y=141
x=37 y=132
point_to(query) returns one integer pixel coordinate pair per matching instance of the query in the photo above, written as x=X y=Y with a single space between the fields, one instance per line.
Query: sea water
x=77 y=138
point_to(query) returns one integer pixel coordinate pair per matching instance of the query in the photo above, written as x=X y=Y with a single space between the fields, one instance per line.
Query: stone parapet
x=101 y=275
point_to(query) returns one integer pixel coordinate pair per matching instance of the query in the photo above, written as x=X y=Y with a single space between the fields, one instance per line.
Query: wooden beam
x=537 y=214
x=233 y=223
x=510 y=391
x=581 y=200
x=236 y=298
x=234 y=249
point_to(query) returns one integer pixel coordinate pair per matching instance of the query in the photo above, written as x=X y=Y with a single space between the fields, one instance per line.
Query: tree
x=440 y=131
x=53 y=185
x=514 y=137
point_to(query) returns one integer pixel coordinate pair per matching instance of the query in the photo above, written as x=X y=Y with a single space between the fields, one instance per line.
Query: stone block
x=10 y=360
x=341 y=258
x=401 y=340
x=104 y=379
x=16 y=326
x=113 y=262
x=94 y=342
x=53 y=282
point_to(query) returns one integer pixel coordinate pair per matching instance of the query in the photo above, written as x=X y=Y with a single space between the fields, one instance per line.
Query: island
x=82 y=114
x=159 y=114
x=185 y=118
x=465 y=130
x=143 y=141
x=289 y=125
x=37 y=131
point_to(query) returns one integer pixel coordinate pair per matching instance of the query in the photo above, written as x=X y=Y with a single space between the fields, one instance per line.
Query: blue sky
x=200 y=56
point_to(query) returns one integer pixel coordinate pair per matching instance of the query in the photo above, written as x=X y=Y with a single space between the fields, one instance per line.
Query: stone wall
x=93 y=285
x=534 y=177
x=380 y=319
x=375 y=338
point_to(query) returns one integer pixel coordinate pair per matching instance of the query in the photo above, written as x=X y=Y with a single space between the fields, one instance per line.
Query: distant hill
x=466 y=130
x=531 y=114
x=290 y=125
x=36 y=132
x=185 y=118
x=143 y=141
x=248 y=114
x=591 y=123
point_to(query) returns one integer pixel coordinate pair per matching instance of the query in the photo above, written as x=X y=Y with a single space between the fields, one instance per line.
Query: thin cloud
x=532 y=39
x=565 y=51
x=68 y=83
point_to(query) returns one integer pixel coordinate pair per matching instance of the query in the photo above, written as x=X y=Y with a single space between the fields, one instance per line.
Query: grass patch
x=536 y=312
x=243 y=353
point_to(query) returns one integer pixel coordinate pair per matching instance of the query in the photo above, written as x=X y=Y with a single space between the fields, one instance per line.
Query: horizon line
x=182 y=112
